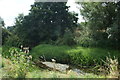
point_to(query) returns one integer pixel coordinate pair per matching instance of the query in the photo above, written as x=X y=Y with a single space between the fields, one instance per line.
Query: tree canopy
x=46 y=22
x=102 y=18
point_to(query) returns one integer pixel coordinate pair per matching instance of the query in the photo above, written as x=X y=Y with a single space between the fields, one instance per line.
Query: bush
x=17 y=65
x=6 y=50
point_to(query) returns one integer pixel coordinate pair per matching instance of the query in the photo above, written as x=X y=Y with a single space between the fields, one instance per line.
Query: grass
x=50 y=51
x=90 y=56
x=74 y=55
x=35 y=72
x=55 y=74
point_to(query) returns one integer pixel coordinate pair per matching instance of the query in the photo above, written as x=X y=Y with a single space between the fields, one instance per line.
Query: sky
x=9 y=9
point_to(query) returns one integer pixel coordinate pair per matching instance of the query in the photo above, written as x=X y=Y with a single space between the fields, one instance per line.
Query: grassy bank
x=74 y=55
x=13 y=69
x=19 y=65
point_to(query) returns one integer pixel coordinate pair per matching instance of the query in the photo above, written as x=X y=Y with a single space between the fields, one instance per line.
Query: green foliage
x=102 y=20
x=67 y=39
x=90 y=56
x=77 y=55
x=19 y=64
x=9 y=39
x=49 y=51
x=6 y=50
x=13 y=40
x=82 y=36
x=0 y=49
x=46 y=22
x=5 y=35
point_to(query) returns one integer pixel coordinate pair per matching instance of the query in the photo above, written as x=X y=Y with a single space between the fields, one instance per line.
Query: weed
x=111 y=67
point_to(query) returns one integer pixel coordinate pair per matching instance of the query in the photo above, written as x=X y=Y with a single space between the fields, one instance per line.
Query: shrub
x=17 y=65
x=6 y=50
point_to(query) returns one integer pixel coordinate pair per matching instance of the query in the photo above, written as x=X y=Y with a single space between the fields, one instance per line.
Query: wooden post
x=54 y=61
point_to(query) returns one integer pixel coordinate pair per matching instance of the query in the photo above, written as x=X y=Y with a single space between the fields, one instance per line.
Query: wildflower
x=30 y=57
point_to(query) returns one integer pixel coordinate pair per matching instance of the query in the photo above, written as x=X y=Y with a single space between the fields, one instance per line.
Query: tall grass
x=111 y=67
x=75 y=55
x=91 y=56
x=49 y=51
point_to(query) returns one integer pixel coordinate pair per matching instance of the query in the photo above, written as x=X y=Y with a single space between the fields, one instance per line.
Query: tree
x=46 y=22
x=3 y=32
x=18 y=23
x=102 y=20
x=0 y=31
x=1 y=22
x=8 y=37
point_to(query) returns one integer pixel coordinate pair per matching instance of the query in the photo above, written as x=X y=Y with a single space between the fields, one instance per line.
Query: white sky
x=9 y=9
